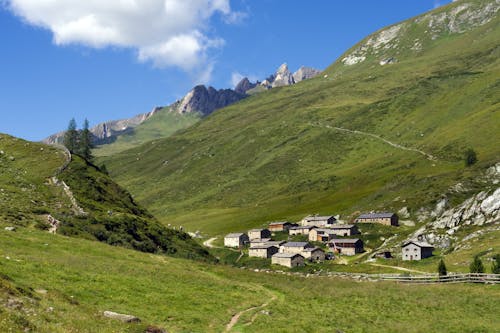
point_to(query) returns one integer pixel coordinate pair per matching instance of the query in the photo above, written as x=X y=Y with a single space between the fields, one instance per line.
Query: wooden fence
x=434 y=278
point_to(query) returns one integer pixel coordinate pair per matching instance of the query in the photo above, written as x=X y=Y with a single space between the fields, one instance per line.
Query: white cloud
x=163 y=32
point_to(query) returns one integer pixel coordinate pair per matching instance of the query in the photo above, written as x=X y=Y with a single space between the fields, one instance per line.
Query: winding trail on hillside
x=236 y=317
x=378 y=137
x=208 y=243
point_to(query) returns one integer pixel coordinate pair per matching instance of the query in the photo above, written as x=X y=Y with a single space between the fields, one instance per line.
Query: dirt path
x=400 y=268
x=208 y=242
x=236 y=317
x=378 y=137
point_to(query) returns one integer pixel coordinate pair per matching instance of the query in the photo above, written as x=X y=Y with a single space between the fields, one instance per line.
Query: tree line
x=79 y=142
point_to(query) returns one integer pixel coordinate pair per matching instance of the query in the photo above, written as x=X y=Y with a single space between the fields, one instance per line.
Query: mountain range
x=198 y=102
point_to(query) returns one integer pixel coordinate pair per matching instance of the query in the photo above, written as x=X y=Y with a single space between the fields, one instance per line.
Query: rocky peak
x=206 y=100
x=283 y=77
x=304 y=73
x=244 y=85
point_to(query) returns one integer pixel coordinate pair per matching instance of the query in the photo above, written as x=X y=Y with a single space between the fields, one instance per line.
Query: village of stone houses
x=321 y=238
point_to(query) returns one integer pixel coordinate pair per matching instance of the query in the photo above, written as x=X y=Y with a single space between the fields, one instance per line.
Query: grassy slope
x=28 y=195
x=83 y=278
x=161 y=125
x=273 y=156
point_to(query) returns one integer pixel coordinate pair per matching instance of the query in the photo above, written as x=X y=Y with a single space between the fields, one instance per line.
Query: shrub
x=476 y=266
x=470 y=157
x=495 y=266
x=442 y=268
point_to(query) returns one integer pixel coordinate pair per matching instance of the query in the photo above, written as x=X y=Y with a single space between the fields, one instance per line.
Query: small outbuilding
x=263 y=251
x=346 y=246
x=415 y=250
x=236 y=240
x=300 y=230
x=279 y=226
x=313 y=254
x=259 y=233
x=288 y=259
x=318 y=221
x=382 y=218
x=294 y=247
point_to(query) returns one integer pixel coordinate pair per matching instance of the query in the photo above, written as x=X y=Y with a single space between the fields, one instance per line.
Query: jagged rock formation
x=205 y=100
x=305 y=73
x=244 y=85
x=107 y=131
x=283 y=76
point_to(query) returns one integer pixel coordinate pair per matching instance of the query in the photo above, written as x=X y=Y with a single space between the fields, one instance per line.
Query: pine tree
x=442 y=268
x=495 y=266
x=476 y=266
x=71 y=137
x=85 y=145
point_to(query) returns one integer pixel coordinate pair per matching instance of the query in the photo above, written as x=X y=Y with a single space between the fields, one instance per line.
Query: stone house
x=259 y=233
x=382 y=218
x=313 y=254
x=318 y=221
x=288 y=259
x=344 y=229
x=414 y=250
x=236 y=240
x=263 y=251
x=300 y=230
x=279 y=226
x=265 y=241
x=294 y=247
x=346 y=246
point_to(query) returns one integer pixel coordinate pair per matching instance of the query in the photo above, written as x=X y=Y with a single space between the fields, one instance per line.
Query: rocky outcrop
x=206 y=100
x=283 y=77
x=107 y=131
x=305 y=73
x=121 y=317
x=244 y=85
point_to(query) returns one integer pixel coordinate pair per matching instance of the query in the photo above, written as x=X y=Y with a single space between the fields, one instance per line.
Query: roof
x=234 y=235
x=287 y=255
x=256 y=230
x=295 y=244
x=262 y=247
x=279 y=223
x=344 y=240
x=342 y=226
x=303 y=227
x=417 y=243
x=260 y=240
x=312 y=249
x=376 y=215
x=318 y=218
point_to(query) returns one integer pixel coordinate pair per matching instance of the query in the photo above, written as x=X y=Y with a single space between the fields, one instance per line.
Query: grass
x=277 y=156
x=83 y=278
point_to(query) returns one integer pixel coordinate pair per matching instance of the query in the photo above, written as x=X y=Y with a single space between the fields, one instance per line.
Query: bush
x=442 y=268
x=470 y=157
x=476 y=266
x=495 y=266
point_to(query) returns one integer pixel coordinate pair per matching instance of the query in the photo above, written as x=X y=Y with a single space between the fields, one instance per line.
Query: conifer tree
x=85 y=143
x=442 y=268
x=476 y=266
x=71 y=137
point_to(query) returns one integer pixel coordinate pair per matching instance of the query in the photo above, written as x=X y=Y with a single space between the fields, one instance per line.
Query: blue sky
x=114 y=59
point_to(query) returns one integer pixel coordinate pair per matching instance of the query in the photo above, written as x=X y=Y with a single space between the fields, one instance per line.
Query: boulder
x=121 y=317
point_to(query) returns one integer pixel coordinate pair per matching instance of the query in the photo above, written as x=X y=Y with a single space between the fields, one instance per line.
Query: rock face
x=283 y=77
x=305 y=73
x=244 y=85
x=205 y=100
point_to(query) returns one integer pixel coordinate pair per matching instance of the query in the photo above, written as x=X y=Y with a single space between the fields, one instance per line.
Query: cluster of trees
x=476 y=266
x=79 y=142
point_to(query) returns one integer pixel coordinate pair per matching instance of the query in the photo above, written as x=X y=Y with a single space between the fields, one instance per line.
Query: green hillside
x=161 y=125
x=40 y=183
x=363 y=136
x=51 y=283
